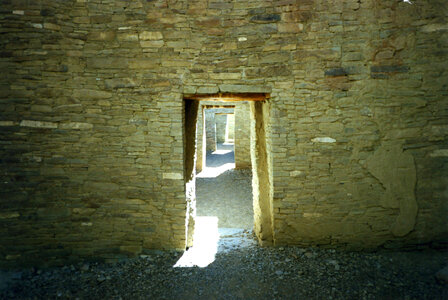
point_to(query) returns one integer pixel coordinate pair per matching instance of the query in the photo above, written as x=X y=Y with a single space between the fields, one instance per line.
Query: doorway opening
x=221 y=189
x=215 y=142
x=227 y=186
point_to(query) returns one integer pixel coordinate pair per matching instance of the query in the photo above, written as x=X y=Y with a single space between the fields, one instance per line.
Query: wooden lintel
x=219 y=106
x=229 y=97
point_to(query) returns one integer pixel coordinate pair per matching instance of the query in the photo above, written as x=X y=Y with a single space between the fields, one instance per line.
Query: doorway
x=221 y=189
x=258 y=210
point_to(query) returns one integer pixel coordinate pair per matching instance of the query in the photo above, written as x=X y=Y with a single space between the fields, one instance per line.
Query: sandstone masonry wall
x=230 y=128
x=220 y=124
x=242 y=136
x=200 y=145
x=210 y=130
x=91 y=119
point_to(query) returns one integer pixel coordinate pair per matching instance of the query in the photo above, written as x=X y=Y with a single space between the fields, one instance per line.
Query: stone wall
x=220 y=125
x=210 y=130
x=230 y=128
x=92 y=157
x=242 y=136
x=200 y=145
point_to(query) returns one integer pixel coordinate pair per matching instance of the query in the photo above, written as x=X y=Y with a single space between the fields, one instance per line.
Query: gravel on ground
x=249 y=272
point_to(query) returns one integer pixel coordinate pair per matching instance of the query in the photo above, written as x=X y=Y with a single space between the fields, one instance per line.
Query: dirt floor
x=236 y=267
x=247 y=272
x=224 y=192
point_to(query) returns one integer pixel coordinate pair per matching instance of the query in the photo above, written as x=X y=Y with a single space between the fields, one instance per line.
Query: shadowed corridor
x=225 y=192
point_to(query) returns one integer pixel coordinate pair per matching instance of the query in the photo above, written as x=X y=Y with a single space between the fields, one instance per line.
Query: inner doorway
x=221 y=189
x=261 y=218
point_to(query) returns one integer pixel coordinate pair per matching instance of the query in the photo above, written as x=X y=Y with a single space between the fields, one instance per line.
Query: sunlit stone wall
x=210 y=130
x=91 y=119
x=200 y=145
x=230 y=128
x=221 y=124
x=242 y=136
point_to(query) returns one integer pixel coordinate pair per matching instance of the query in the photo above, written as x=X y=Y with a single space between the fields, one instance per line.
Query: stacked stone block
x=200 y=145
x=230 y=128
x=210 y=130
x=242 y=136
x=220 y=125
x=92 y=145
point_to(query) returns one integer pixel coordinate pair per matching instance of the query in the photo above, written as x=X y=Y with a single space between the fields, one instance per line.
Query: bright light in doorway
x=222 y=151
x=205 y=244
x=212 y=172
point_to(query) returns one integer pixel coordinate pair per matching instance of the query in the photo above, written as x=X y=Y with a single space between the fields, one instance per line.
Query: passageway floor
x=225 y=192
x=227 y=197
x=246 y=272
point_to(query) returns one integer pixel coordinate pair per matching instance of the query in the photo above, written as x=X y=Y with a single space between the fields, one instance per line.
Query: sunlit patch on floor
x=205 y=245
x=222 y=151
x=212 y=172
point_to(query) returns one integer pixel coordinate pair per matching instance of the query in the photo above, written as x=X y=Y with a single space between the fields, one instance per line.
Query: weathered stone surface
x=261 y=164
x=92 y=118
x=7 y=123
x=143 y=63
x=120 y=83
x=268 y=18
x=207 y=90
x=290 y=27
x=151 y=44
x=52 y=26
x=235 y=88
x=389 y=69
x=341 y=71
x=225 y=76
x=107 y=62
x=91 y=94
x=278 y=70
x=106 y=36
x=38 y=124
x=172 y=176
x=439 y=153
x=76 y=125
x=323 y=140
x=242 y=136
x=396 y=171
x=100 y=19
x=210 y=134
x=150 y=35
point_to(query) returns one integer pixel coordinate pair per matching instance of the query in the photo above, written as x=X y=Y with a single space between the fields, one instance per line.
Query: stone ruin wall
x=242 y=136
x=220 y=122
x=200 y=158
x=92 y=120
x=230 y=128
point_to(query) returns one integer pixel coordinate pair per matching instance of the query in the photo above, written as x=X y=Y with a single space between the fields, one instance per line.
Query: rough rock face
x=92 y=120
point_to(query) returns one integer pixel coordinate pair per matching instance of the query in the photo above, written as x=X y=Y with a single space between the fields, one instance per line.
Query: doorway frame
x=261 y=164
